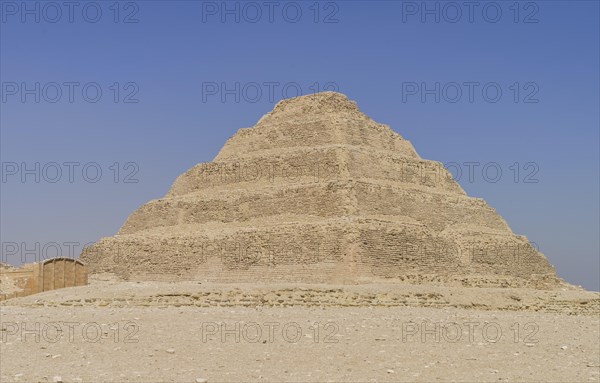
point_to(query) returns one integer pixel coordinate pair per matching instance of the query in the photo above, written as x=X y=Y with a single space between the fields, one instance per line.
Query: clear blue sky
x=375 y=53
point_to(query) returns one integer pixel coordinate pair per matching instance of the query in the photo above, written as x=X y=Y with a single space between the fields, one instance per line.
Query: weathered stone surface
x=319 y=192
x=32 y=278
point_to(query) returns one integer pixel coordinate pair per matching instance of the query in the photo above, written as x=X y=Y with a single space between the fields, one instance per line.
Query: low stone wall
x=48 y=275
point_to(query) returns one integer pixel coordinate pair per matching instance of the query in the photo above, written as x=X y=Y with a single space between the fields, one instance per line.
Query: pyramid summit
x=319 y=120
x=316 y=104
x=318 y=192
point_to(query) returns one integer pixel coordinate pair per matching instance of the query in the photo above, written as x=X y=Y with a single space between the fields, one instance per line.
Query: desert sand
x=180 y=332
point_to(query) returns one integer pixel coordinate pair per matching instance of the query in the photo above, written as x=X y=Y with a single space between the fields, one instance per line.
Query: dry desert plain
x=115 y=331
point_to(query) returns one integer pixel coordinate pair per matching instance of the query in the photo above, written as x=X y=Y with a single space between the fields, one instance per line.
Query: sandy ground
x=148 y=332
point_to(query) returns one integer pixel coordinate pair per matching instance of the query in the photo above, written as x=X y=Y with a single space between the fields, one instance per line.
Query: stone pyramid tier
x=319 y=192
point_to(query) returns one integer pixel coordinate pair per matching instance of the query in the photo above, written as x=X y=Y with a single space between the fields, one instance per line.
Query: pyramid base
x=342 y=251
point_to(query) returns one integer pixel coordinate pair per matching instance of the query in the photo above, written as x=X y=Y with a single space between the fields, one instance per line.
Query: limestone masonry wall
x=319 y=192
x=48 y=275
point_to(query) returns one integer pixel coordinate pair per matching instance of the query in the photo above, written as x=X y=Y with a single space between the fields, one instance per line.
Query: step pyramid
x=318 y=192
